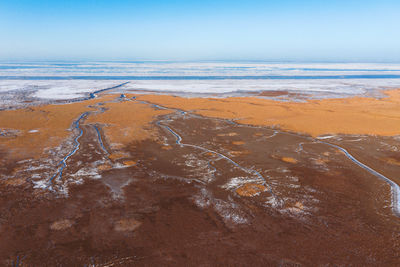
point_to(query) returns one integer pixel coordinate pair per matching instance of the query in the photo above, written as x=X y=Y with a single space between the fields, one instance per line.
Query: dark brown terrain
x=226 y=194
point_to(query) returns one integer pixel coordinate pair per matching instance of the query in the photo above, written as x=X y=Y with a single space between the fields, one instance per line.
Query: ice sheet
x=69 y=80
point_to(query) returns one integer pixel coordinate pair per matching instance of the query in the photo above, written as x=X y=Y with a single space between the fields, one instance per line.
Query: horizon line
x=199 y=60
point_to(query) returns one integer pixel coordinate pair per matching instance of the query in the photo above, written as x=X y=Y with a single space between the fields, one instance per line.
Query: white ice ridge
x=56 y=89
x=69 y=89
x=68 y=80
x=327 y=86
x=174 y=68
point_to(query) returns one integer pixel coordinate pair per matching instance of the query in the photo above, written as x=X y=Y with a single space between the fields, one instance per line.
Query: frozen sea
x=68 y=80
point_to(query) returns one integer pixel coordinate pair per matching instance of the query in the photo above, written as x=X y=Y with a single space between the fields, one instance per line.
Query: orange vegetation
x=104 y=167
x=250 y=190
x=166 y=147
x=289 y=160
x=228 y=134
x=356 y=115
x=129 y=163
x=126 y=122
x=392 y=161
x=61 y=225
x=38 y=128
x=14 y=181
x=320 y=161
x=41 y=127
x=117 y=155
x=238 y=142
x=127 y=225
x=239 y=153
x=298 y=207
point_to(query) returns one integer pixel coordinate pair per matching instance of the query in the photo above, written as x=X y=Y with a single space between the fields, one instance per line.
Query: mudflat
x=135 y=179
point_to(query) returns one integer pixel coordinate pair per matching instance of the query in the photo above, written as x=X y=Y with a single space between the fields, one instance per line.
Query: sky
x=270 y=30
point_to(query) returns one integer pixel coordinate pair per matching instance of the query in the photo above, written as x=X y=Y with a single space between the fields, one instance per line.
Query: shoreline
x=23 y=92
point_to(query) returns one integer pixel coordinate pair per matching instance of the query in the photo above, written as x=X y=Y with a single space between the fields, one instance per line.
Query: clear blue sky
x=308 y=30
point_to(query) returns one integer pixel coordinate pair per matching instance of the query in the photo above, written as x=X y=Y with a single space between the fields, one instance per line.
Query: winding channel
x=63 y=162
x=395 y=189
x=394 y=186
x=100 y=140
x=76 y=125
x=180 y=143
